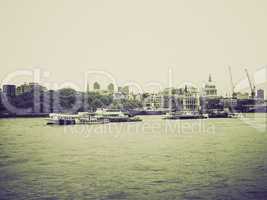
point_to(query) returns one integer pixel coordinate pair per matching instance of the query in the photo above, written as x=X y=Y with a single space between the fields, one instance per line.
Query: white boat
x=99 y=117
x=113 y=115
x=90 y=118
x=185 y=115
x=61 y=119
x=235 y=115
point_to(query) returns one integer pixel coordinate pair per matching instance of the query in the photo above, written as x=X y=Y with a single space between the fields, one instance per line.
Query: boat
x=101 y=116
x=136 y=111
x=235 y=115
x=185 y=115
x=90 y=118
x=115 y=115
x=135 y=119
x=155 y=111
x=223 y=114
x=218 y=114
x=61 y=119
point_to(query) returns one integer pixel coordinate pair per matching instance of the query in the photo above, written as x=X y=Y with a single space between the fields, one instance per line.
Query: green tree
x=106 y=100
x=111 y=87
x=67 y=97
x=96 y=86
x=97 y=103
x=125 y=90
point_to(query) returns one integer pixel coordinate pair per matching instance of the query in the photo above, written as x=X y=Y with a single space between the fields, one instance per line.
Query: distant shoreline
x=40 y=115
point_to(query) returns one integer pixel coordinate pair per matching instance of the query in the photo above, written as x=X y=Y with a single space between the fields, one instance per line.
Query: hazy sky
x=136 y=40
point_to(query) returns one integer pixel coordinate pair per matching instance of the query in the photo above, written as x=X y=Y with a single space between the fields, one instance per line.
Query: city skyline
x=241 y=86
x=134 y=41
x=133 y=99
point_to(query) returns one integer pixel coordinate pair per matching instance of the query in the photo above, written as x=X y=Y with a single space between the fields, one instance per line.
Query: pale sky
x=135 y=41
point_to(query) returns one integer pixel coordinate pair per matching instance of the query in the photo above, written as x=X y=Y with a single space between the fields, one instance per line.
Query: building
x=182 y=99
x=190 y=99
x=135 y=97
x=9 y=90
x=230 y=104
x=240 y=95
x=260 y=94
x=209 y=89
x=153 y=101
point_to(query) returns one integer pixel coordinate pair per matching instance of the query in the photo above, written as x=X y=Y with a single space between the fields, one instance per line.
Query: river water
x=154 y=159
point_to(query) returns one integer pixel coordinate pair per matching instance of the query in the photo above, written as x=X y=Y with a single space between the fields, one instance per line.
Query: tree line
x=66 y=100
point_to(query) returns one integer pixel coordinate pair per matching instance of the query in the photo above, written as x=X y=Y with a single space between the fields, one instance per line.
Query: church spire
x=210 y=80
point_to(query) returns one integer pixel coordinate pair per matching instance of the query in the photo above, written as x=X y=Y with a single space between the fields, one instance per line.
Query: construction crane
x=232 y=83
x=251 y=85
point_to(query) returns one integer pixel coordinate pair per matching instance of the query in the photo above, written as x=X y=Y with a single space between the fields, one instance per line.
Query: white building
x=209 y=89
x=153 y=101
x=190 y=99
x=184 y=99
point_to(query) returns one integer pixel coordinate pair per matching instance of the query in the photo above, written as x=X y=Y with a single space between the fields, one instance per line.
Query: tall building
x=209 y=89
x=260 y=94
x=190 y=99
x=9 y=90
x=153 y=101
x=183 y=99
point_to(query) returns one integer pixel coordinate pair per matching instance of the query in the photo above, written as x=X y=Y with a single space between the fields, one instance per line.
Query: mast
x=251 y=85
x=231 y=81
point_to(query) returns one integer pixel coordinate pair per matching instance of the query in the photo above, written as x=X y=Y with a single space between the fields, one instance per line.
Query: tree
x=96 y=86
x=111 y=87
x=145 y=95
x=87 y=88
x=125 y=90
x=106 y=100
x=96 y=103
x=67 y=97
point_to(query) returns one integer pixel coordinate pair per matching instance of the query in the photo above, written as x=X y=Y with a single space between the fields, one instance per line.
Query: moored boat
x=113 y=115
x=218 y=114
x=90 y=118
x=185 y=115
x=101 y=116
x=223 y=114
x=61 y=119
x=135 y=119
x=235 y=115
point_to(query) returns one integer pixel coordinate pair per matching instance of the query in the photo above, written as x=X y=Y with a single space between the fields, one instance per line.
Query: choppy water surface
x=154 y=159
